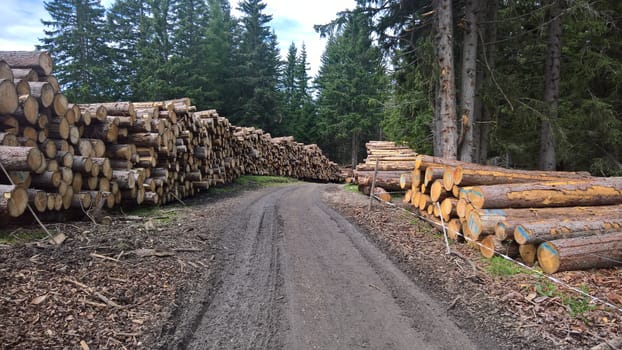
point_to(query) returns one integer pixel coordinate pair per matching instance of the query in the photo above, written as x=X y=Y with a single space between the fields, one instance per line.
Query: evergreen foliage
x=74 y=36
x=160 y=49
x=351 y=90
x=257 y=99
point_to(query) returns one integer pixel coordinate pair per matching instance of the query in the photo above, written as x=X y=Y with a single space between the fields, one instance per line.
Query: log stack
x=60 y=155
x=393 y=161
x=562 y=220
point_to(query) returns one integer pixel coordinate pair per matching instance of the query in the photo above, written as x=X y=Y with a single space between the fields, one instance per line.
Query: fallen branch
x=142 y=253
x=95 y=255
x=107 y=301
x=187 y=249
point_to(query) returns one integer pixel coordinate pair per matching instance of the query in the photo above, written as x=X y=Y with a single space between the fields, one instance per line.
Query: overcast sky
x=292 y=20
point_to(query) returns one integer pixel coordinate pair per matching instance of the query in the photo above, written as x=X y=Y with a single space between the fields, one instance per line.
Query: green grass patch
x=159 y=214
x=546 y=288
x=576 y=304
x=251 y=182
x=263 y=181
x=500 y=267
x=351 y=188
x=20 y=235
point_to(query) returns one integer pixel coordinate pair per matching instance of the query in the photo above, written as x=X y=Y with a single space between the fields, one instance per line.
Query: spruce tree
x=351 y=85
x=75 y=37
x=188 y=49
x=129 y=26
x=218 y=58
x=289 y=82
x=257 y=98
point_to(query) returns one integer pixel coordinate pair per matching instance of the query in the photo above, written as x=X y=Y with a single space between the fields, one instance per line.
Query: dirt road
x=297 y=275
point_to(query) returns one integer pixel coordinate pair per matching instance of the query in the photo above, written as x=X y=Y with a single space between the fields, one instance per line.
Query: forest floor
x=258 y=266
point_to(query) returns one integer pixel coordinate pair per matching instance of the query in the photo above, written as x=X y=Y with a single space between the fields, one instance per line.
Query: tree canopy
x=536 y=83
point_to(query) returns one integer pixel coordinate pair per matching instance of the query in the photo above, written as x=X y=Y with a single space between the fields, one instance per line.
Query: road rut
x=297 y=275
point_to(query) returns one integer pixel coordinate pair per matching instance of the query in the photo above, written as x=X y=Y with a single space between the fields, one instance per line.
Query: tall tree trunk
x=354 y=149
x=469 y=81
x=551 y=86
x=436 y=122
x=488 y=57
x=447 y=136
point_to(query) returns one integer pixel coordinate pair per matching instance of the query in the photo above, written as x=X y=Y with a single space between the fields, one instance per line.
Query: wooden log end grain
x=60 y=105
x=503 y=231
x=454 y=230
x=38 y=199
x=528 y=253
x=407 y=196
x=438 y=191
x=28 y=109
x=8 y=97
x=490 y=245
x=475 y=196
x=5 y=71
x=13 y=200
x=405 y=181
x=448 y=178
x=448 y=208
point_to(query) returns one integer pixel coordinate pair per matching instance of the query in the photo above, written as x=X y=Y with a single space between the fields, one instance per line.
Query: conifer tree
x=75 y=37
x=351 y=85
x=218 y=58
x=258 y=100
x=129 y=25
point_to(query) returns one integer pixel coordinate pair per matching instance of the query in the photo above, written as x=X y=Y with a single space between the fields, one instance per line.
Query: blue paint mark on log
x=522 y=232
x=549 y=248
x=477 y=193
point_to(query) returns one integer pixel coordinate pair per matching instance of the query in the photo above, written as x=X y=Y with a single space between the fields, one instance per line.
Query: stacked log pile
x=392 y=160
x=562 y=220
x=60 y=155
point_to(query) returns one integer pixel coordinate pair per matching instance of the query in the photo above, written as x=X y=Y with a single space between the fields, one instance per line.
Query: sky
x=292 y=20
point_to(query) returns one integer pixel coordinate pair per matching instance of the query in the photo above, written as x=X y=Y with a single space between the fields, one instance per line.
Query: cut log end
x=8 y=97
x=548 y=257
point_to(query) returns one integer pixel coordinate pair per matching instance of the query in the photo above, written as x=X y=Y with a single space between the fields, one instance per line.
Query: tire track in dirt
x=294 y=274
x=244 y=311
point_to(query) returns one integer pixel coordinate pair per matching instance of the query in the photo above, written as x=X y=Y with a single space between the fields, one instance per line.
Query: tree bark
x=37 y=60
x=389 y=180
x=504 y=222
x=5 y=71
x=382 y=194
x=598 y=191
x=27 y=74
x=21 y=158
x=552 y=229
x=551 y=86
x=581 y=253
x=469 y=81
x=447 y=89
x=488 y=55
x=476 y=175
